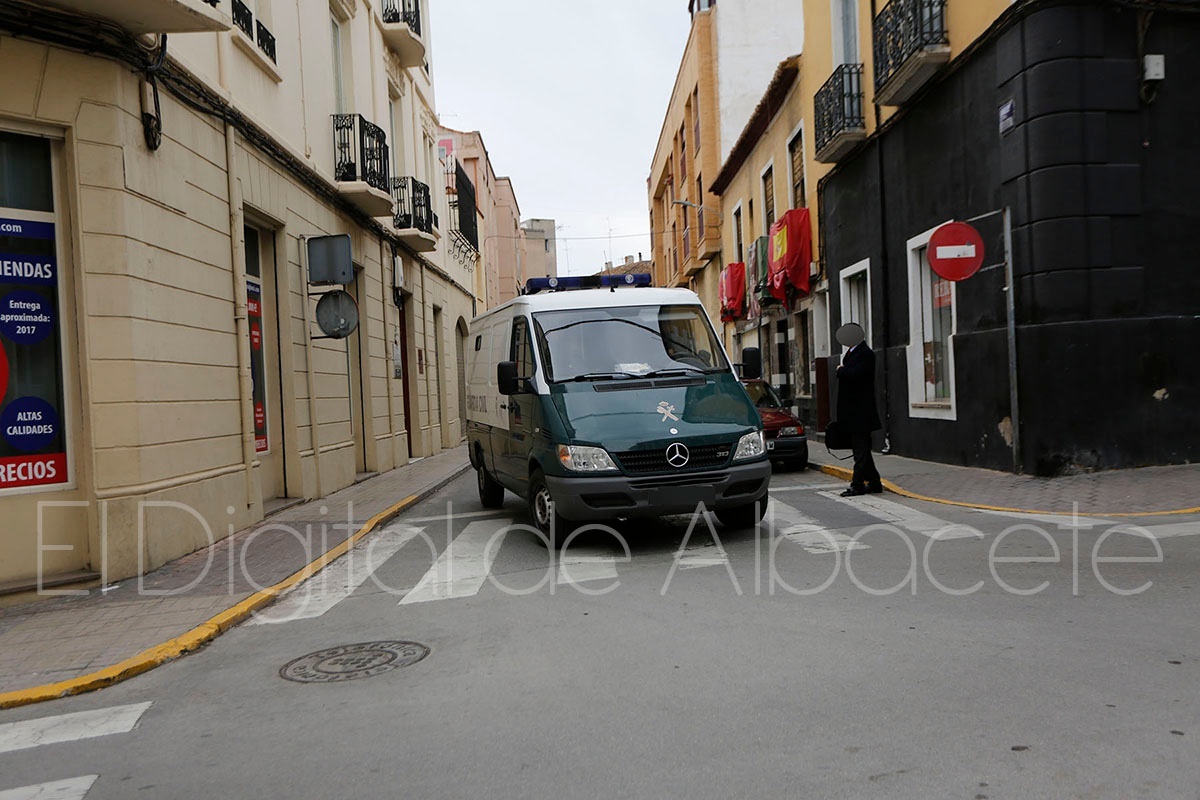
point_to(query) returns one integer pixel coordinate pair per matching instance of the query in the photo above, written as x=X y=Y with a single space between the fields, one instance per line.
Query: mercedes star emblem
x=677 y=455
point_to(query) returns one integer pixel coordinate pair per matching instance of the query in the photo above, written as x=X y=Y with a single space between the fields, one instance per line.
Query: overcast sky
x=569 y=97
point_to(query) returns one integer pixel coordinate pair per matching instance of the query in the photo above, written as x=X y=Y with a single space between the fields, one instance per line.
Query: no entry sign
x=955 y=251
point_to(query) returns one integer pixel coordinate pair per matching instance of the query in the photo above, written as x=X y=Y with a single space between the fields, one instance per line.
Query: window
x=768 y=187
x=397 y=145
x=930 y=351
x=683 y=150
x=699 y=206
x=796 y=154
x=845 y=32
x=33 y=412
x=522 y=348
x=855 y=284
x=937 y=323
x=339 y=89
x=738 y=242
x=696 y=119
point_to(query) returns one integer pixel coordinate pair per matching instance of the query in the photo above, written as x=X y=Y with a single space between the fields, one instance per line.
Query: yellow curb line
x=847 y=474
x=199 y=635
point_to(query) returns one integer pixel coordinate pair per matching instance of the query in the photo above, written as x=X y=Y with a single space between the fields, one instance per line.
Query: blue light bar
x=535 y=285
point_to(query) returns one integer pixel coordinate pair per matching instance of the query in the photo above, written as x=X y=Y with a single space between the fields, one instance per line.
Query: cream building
x=157 y=198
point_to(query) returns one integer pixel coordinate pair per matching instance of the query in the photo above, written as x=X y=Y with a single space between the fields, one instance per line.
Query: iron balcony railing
x=266 y=41
x=213 y=3
x=839 y=104
x=414 y=208
x=406 y=11
x=243 y=18
x=360 y=151
x=464 y=227
x=904 y=28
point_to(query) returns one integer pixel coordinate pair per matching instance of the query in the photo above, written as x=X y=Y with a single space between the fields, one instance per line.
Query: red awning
x=732 y=290
x=791 y=252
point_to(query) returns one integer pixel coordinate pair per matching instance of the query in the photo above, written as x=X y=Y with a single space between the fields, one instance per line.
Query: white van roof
x=599 y=298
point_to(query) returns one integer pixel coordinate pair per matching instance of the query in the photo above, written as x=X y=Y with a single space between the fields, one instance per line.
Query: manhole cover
x=348 y=662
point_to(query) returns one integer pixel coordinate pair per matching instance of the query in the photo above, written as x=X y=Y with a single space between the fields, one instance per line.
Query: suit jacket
x=856 y=410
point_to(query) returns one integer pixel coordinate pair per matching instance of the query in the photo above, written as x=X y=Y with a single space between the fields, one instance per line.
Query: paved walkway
x=60 y=646
x=78 y=643
x=1148 y=490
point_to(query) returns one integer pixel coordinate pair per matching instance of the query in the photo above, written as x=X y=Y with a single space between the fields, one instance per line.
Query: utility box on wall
x=330 y=260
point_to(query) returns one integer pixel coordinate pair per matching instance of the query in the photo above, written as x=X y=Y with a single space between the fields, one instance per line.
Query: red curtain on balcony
x=791 y=252
x=732 y=290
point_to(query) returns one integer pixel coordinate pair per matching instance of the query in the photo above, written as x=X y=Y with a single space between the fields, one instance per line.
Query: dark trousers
x=865 y=474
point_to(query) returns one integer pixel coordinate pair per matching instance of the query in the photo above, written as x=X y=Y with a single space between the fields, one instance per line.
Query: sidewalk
x=1124 y=492
x=66 y=645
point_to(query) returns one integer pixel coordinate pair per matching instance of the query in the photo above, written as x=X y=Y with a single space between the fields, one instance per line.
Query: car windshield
x=763 y=395
x=627 y=341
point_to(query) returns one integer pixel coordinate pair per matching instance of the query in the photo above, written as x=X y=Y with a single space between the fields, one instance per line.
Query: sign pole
x=1010 y=290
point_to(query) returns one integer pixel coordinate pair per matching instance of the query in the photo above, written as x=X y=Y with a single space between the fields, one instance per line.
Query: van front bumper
x=582 y=498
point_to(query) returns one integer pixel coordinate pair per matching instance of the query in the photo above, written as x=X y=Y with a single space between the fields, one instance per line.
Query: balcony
x=153 y=16
x=414 y=220
x=402 y=31
x=839 y=111
x=463 y=222
x=360 y=154
x=911 y=45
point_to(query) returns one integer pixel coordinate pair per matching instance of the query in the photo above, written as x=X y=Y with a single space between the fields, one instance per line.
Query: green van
x=601 y=404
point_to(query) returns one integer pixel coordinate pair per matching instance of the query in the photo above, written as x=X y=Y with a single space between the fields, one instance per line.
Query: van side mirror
x=751 y=363
x=506 y=378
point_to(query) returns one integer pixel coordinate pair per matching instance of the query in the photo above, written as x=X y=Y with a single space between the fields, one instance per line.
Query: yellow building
x=160 y=196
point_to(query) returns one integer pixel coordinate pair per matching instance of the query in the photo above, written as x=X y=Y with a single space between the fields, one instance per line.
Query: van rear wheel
x=553 y=526
x=746 y=516
x=491 y=493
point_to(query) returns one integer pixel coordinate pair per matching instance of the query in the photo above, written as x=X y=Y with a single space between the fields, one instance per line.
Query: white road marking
x=797 y=527
x=1063 y=521
x=580 y=568
x=807 y=487
x=1165 y=531
x=899 y=514
x=340 y=579
x=69 y=789
x=463 y=566
x=70 y=727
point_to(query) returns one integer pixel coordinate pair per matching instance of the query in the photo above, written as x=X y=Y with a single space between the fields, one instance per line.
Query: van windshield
x=627 y=341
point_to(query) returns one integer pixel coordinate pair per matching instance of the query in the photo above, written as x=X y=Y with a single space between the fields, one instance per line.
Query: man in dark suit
x=856 y=411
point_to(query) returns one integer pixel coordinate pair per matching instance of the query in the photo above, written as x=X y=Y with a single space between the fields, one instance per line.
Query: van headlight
x=750 y=446
x=579 y=458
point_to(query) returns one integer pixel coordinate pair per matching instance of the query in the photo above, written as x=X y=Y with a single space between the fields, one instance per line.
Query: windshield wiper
x=675 y=371
x=600 y=376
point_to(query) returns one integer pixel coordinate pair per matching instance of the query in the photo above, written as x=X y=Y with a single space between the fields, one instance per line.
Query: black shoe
x=853 y=492
x=876 y=489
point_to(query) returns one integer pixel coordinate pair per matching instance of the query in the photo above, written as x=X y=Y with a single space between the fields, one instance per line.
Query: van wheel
x=746 y=516
x=541 y=507
x=491 y=493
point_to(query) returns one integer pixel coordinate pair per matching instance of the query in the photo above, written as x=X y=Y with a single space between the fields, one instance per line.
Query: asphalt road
x=849 y=648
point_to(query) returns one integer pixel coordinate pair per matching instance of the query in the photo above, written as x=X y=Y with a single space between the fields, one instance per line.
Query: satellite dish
x=337 y=314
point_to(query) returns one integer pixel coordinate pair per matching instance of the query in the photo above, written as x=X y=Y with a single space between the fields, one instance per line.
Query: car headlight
x=579 y=458
x=790 y=431
x=750 y=446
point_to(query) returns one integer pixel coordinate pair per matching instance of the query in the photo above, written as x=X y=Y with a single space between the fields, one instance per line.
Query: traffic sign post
x=955 y=251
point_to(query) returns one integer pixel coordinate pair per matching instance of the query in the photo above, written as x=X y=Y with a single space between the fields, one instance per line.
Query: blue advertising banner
x=32 y=438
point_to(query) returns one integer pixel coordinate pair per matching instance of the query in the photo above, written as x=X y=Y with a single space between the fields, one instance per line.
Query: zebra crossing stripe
x=463 y=566
x=899 y=514
x=69 y=789
x=69 y=727
x=339 y=580
x=798 y=527
x=580 y=568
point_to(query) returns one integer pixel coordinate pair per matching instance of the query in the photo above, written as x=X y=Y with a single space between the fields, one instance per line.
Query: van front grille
x=705 y=456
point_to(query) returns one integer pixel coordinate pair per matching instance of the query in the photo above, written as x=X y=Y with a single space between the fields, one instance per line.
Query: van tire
x=746 y=516
x=554 y=527
x=491 y=493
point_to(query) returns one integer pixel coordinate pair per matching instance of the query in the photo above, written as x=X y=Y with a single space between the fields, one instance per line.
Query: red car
x=787 y=443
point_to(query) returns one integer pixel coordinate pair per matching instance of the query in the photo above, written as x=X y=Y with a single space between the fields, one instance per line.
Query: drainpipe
x=883 y=264
x=240 y=316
